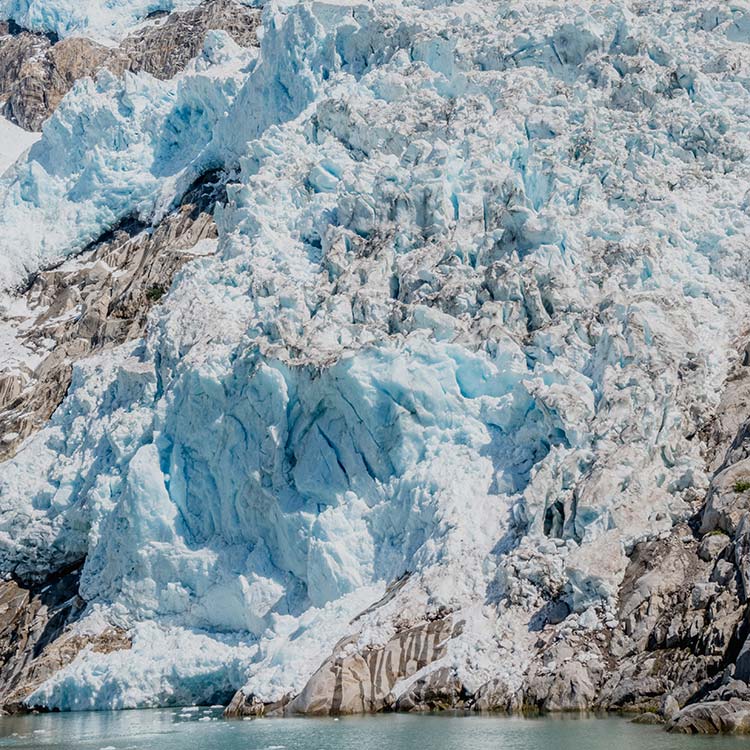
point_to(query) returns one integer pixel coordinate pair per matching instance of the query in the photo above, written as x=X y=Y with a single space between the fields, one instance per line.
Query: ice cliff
x=480 y=279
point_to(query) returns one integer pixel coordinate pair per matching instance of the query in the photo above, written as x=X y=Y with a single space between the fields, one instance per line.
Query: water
x=203 y=729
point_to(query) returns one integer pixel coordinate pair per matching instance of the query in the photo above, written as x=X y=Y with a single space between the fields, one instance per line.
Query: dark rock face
x=165 y=50
x=36 y=72
x=42 y=73
x=438 y=691
x=676 y=625
x=252 y=707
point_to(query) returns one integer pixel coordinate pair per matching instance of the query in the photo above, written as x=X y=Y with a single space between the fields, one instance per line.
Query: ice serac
x=431 y=423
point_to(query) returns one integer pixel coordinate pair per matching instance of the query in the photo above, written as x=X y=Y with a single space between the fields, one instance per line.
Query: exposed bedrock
x=714 y=717
x=36 y=71
x=356 y=680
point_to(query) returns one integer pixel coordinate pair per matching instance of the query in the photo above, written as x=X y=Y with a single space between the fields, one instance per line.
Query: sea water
x=205 y=729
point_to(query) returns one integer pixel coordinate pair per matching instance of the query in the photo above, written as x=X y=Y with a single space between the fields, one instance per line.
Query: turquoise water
x=204 y=729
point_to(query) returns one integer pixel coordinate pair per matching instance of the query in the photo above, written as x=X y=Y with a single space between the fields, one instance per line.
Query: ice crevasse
x=475 y=291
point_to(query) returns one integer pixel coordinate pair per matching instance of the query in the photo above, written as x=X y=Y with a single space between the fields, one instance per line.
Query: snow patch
x=14 y=141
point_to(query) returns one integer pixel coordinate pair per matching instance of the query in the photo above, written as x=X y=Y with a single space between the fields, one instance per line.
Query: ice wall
x=477 y=283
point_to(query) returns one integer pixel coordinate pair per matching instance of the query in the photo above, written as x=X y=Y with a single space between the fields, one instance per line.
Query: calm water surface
x=203 y=729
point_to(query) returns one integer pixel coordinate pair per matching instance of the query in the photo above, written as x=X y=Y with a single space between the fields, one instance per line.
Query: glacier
x=477 y=286
x=106 y=23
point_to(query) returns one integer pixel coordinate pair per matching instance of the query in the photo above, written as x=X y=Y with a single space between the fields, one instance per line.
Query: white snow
x=13 y=142
x=477 y=287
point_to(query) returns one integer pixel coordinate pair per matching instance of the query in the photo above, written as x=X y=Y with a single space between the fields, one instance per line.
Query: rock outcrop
x=353 y=681
x=36 y=71
x=713 y=717
x=357 y=680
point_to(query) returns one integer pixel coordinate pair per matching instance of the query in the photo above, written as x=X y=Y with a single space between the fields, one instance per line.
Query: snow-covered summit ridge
x=476 y=291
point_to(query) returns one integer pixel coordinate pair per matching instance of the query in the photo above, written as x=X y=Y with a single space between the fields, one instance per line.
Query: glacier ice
x=476 y=287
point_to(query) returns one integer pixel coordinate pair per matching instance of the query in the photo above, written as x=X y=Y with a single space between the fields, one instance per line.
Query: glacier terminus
x=376 y=355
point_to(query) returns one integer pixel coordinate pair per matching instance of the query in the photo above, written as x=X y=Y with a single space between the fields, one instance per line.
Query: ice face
x=476 y=286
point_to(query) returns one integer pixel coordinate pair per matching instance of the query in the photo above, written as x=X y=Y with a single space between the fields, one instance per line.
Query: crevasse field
x=468 y=250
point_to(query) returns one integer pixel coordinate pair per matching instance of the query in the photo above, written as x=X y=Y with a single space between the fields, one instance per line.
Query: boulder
x=713 y=717
x=362 y=681
x=648 y=718
x=712 y=545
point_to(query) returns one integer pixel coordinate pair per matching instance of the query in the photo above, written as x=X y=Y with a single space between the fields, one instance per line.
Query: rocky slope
x=396 y=363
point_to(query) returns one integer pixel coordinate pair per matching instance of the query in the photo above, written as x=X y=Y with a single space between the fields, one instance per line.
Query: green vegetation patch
x=156 y=291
